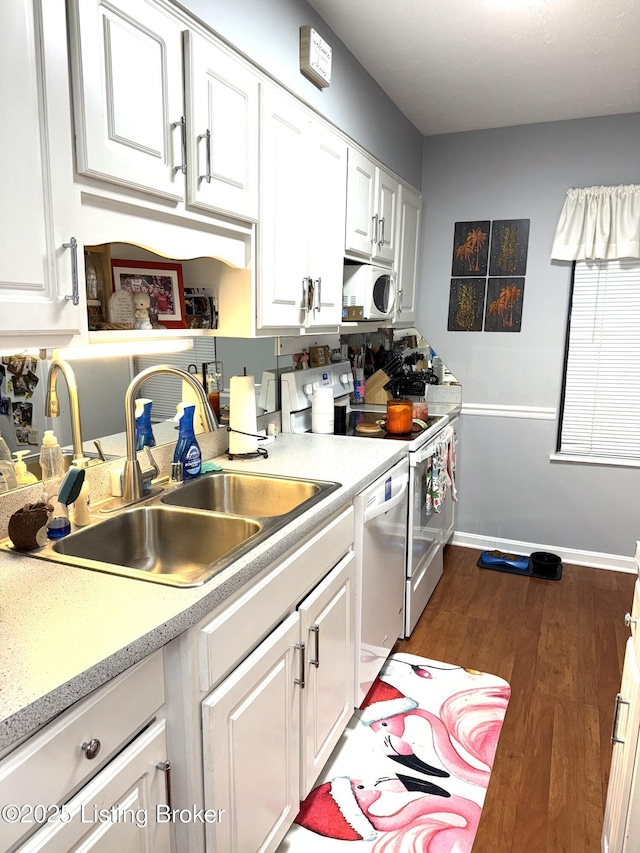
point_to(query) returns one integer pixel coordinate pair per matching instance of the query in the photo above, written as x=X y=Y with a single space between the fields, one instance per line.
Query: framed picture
x=466 y=304
x=470 y=248
x=509 y=246
x=504 y=305
x=162 y=281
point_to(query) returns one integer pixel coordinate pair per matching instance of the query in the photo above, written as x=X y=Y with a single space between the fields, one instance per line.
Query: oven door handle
x=381 y=509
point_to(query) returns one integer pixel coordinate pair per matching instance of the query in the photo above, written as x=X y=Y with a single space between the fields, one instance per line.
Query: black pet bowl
x=543 y=563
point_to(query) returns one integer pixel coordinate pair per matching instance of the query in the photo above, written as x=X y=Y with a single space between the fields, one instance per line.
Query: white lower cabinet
x=262 y=690
x=269 y=728
x=95 y=778
x=621 y=831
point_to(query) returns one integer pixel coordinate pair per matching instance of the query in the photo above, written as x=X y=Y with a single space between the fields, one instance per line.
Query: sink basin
x=254 y=495
x=157 y=543
x=191 y=533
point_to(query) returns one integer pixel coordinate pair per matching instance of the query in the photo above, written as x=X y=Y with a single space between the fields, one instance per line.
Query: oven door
x=424 y=535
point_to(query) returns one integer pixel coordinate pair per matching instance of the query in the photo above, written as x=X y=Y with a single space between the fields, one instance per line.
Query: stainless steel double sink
x=191 y=532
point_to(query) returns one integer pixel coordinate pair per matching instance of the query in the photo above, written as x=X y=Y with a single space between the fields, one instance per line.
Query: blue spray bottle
x=187 y=449
x=144 y=431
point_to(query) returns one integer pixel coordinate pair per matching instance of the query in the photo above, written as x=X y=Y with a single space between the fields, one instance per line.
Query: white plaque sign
x=315 y=57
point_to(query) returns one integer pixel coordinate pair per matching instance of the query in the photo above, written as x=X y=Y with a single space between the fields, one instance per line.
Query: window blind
x=601 y=403
x=166 y=391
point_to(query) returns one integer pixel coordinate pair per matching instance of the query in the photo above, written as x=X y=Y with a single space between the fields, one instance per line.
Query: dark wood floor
x=560 y=645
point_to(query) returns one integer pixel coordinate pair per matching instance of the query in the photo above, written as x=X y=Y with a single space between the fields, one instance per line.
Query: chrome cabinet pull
x=374 y=228
x=207 y=137
x=616 y=712
x=182 y=124
x=381 y=240
x=165 y=767
x=91 y=748
x=75 y=292
x=629 y=620
x=317 y=290
x=315 y=661
x=307 y=294
x=300 y=680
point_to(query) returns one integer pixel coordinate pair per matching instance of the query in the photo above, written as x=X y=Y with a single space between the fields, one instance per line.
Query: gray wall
x=268 y=32
x=508 y=486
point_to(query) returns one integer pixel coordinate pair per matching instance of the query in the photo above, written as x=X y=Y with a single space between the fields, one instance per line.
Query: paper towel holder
x=254 y=454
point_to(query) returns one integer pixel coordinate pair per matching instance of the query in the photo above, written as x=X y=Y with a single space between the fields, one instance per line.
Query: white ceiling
x=456 y=65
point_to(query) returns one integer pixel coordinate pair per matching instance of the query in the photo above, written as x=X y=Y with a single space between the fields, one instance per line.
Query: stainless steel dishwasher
x=381 y=512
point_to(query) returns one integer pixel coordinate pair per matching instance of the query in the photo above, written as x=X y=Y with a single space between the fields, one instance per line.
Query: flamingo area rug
x=411 y=771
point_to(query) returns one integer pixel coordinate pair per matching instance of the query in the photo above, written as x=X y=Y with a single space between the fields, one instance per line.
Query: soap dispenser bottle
x=51 y=463
x=23 y=477
x=187 y=449
x=144 y=431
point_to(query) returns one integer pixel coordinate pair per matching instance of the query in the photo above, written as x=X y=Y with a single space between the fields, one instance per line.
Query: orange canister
x=399 y=416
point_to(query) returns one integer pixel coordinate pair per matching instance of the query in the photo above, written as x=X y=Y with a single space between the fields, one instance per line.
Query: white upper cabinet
x=302 y=215
x=406 y=262
x=222 y=125
x=372 y=198
x=40 y=208
x=127 y=75
x=147 y=120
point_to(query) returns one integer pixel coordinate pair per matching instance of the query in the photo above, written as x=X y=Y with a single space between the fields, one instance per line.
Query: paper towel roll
x=242 y=415
x=322 y=410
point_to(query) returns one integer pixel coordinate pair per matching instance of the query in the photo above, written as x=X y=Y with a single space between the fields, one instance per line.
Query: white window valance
x=599 y=223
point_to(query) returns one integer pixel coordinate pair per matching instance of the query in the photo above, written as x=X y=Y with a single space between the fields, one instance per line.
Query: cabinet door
x=361 y=204
x=283 y=230
x=328 y=189
x=124 y=808
x=222 y=129
x=326 y=629
x=386 y=200
x=128 y=94
x=40 y=207
x=625 y=731
x=407 y=253
x=251 y=741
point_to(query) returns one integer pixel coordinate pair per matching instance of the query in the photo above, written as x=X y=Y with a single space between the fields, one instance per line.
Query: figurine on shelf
x=141 y=303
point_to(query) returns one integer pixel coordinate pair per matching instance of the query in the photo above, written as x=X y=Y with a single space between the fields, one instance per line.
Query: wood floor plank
x=560 y=645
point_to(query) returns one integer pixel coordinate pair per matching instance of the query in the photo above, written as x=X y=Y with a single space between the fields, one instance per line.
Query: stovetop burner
x=357 y=418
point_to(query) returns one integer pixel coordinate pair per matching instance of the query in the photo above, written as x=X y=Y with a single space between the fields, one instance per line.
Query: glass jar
x=399 y=417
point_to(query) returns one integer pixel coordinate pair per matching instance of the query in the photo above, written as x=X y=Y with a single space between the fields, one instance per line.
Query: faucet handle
x=153 y=470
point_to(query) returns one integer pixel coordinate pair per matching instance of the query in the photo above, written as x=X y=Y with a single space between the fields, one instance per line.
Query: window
x=600 y=409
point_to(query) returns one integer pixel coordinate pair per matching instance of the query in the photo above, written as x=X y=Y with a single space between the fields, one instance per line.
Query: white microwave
x=371 y=287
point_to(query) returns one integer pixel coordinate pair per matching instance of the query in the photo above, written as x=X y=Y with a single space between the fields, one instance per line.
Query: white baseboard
x=595 y=559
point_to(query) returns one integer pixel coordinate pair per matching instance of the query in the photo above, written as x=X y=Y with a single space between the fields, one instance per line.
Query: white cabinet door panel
x=327 y=195
x=407 y=246
x=387 y=189
x=251 y=743
x=327 y=631
x=283 y=230
x=40 y=207
x=360 y=204
x=222 y=125
x=127 y=77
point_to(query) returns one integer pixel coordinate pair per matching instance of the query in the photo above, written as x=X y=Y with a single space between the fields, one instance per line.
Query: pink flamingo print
x=398 y=813
x=416 y=738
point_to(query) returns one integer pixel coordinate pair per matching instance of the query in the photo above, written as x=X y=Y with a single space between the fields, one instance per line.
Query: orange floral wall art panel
x=470 y=248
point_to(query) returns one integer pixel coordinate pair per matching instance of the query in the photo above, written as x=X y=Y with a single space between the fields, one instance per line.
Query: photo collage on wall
x=487 y=275
x=18 y=380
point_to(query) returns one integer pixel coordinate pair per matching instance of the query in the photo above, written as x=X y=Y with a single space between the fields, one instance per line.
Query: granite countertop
x=66 y=631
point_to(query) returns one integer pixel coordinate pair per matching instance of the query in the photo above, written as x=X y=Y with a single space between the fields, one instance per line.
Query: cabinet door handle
x=207 y=137
x=75 y=291
x=381 y=239
x=616 y=712
x=374 y=228
x=300 y=680
x=307 y=294
x=629 y=620
x=317 y=289
x=165 y=767
x=315 y=661
x=91 y=748
x=182 y=124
